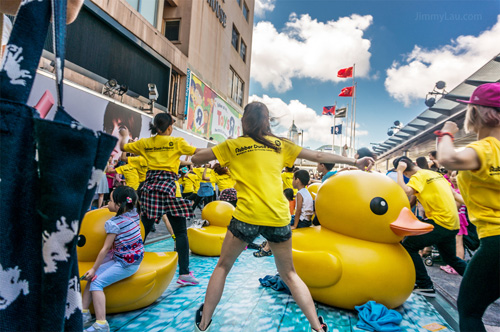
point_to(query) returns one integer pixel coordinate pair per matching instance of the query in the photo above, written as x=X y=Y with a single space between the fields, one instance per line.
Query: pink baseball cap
x=485 y=95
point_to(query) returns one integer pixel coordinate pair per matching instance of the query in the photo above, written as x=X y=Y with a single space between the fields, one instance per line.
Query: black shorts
x=248 y=232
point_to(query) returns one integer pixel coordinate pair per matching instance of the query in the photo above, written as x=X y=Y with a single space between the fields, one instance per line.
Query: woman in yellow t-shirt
x=479 y=183
x=255 y=161
x=158 y=194
x=225 y=183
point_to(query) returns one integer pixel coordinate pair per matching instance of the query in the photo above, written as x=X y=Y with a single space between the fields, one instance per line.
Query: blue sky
x=422 y=41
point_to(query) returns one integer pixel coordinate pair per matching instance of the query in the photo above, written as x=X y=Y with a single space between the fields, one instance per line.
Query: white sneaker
x=188 y=280
x=98 y=327
x=87 y=319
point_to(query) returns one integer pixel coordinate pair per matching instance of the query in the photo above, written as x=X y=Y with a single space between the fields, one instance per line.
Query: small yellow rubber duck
x=207 y=241
x=137 y=291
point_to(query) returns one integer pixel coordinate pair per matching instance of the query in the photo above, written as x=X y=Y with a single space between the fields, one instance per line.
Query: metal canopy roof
x=444 y=109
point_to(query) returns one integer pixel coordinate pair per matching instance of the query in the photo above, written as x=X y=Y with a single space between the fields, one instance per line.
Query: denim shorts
x=248 y=232
x=110 y=272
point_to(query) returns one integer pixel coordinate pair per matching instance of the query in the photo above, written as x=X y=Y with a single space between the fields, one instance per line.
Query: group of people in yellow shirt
x=255 y=161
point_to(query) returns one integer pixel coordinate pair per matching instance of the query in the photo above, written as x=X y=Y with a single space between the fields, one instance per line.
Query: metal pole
x=354 y=110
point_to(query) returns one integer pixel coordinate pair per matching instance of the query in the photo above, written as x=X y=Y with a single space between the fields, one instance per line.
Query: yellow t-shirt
x=256 y=170
x=177 y=189
x=141 y=165
x=224 y=181
x=130 y=174
x=161 y=152
x=188 y=181
x=481 y=189
x=287 y=178
x=434 y=193
x=199 y=172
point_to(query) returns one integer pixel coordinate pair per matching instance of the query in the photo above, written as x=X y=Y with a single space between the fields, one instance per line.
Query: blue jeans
x=110 y=272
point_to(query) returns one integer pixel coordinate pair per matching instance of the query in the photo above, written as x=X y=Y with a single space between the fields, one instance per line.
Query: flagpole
x=353 y=119
x=346 y=127
x=334 y=123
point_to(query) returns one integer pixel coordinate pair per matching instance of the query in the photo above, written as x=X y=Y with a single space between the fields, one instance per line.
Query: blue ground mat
x=247 y=306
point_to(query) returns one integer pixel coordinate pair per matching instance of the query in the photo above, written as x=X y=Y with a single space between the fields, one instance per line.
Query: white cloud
x=422 y=68
x=307 y=48
x=316 y=127
x=263 y=6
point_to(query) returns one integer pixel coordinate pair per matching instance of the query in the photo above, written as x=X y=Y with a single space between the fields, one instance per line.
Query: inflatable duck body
x=355 y=255
x=137 y=291
x=207 y=241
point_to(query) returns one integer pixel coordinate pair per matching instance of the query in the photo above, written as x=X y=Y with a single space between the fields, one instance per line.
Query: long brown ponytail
x=255 y=123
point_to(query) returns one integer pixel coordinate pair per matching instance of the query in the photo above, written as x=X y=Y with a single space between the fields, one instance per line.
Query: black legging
x=181 y=239
x=480 y=285
x=197 y=200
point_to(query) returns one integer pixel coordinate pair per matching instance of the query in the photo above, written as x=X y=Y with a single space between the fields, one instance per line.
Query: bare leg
x=99 y=300
x=167 y=223
x=283 y=258
x=231 y=249
x=460 y=246
x=100 y=201
x=86 y=297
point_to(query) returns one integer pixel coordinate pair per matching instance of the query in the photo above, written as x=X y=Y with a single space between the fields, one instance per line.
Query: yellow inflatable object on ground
x=313 y=189
x=355 y=255
x=207 y=241
x=137 y=291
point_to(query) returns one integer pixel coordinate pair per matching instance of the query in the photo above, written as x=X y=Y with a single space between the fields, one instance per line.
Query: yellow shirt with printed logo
x=199 y=172
x=141 y=165
x=287 y=178
x=130 y=174
x=161 y=152
x=256 y=170
x=481 y=188
x=434 y=193
x=224 y=181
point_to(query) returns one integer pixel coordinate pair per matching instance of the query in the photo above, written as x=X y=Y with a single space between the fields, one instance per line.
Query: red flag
x=328 y=110
x=345 y=72
x=347 y=91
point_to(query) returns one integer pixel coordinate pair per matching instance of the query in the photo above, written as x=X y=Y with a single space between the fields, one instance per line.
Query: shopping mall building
x=134 y=58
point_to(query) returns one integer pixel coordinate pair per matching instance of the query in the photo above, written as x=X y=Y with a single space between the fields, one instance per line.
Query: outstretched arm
x=466 y=159
x=202 y=156
x=108 y=243
x=323 y=157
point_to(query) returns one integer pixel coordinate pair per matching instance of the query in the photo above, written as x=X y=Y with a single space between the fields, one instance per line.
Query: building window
x=236 y=88
x=147 y=8
x=245 y=11
x=239 y=3
x=236 y=38
x=172 y=30
x=243 y=51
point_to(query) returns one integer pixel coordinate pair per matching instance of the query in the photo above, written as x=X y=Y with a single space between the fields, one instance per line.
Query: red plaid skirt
x=228 y=195
x=158 y=196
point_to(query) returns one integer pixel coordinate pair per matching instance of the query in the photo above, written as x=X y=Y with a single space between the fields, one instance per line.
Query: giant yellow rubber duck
x=207 y=241
x=355 y=255
x=137 y=291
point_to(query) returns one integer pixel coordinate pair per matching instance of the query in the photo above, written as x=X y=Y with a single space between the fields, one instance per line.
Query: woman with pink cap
x=479 y=183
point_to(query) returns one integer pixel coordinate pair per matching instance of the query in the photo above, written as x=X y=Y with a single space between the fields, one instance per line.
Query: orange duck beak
x=407 y=224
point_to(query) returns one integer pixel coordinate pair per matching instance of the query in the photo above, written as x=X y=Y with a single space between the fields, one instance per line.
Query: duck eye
x=379 y=206
x=81 y=240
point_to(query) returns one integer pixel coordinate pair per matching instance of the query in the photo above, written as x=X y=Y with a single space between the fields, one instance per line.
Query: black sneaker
x=253 y=246
x=197 y=320
x=324 y=327
x=428 y=291
x=263 y=253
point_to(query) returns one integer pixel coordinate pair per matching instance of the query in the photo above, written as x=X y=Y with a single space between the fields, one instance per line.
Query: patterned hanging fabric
x=48 y=175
